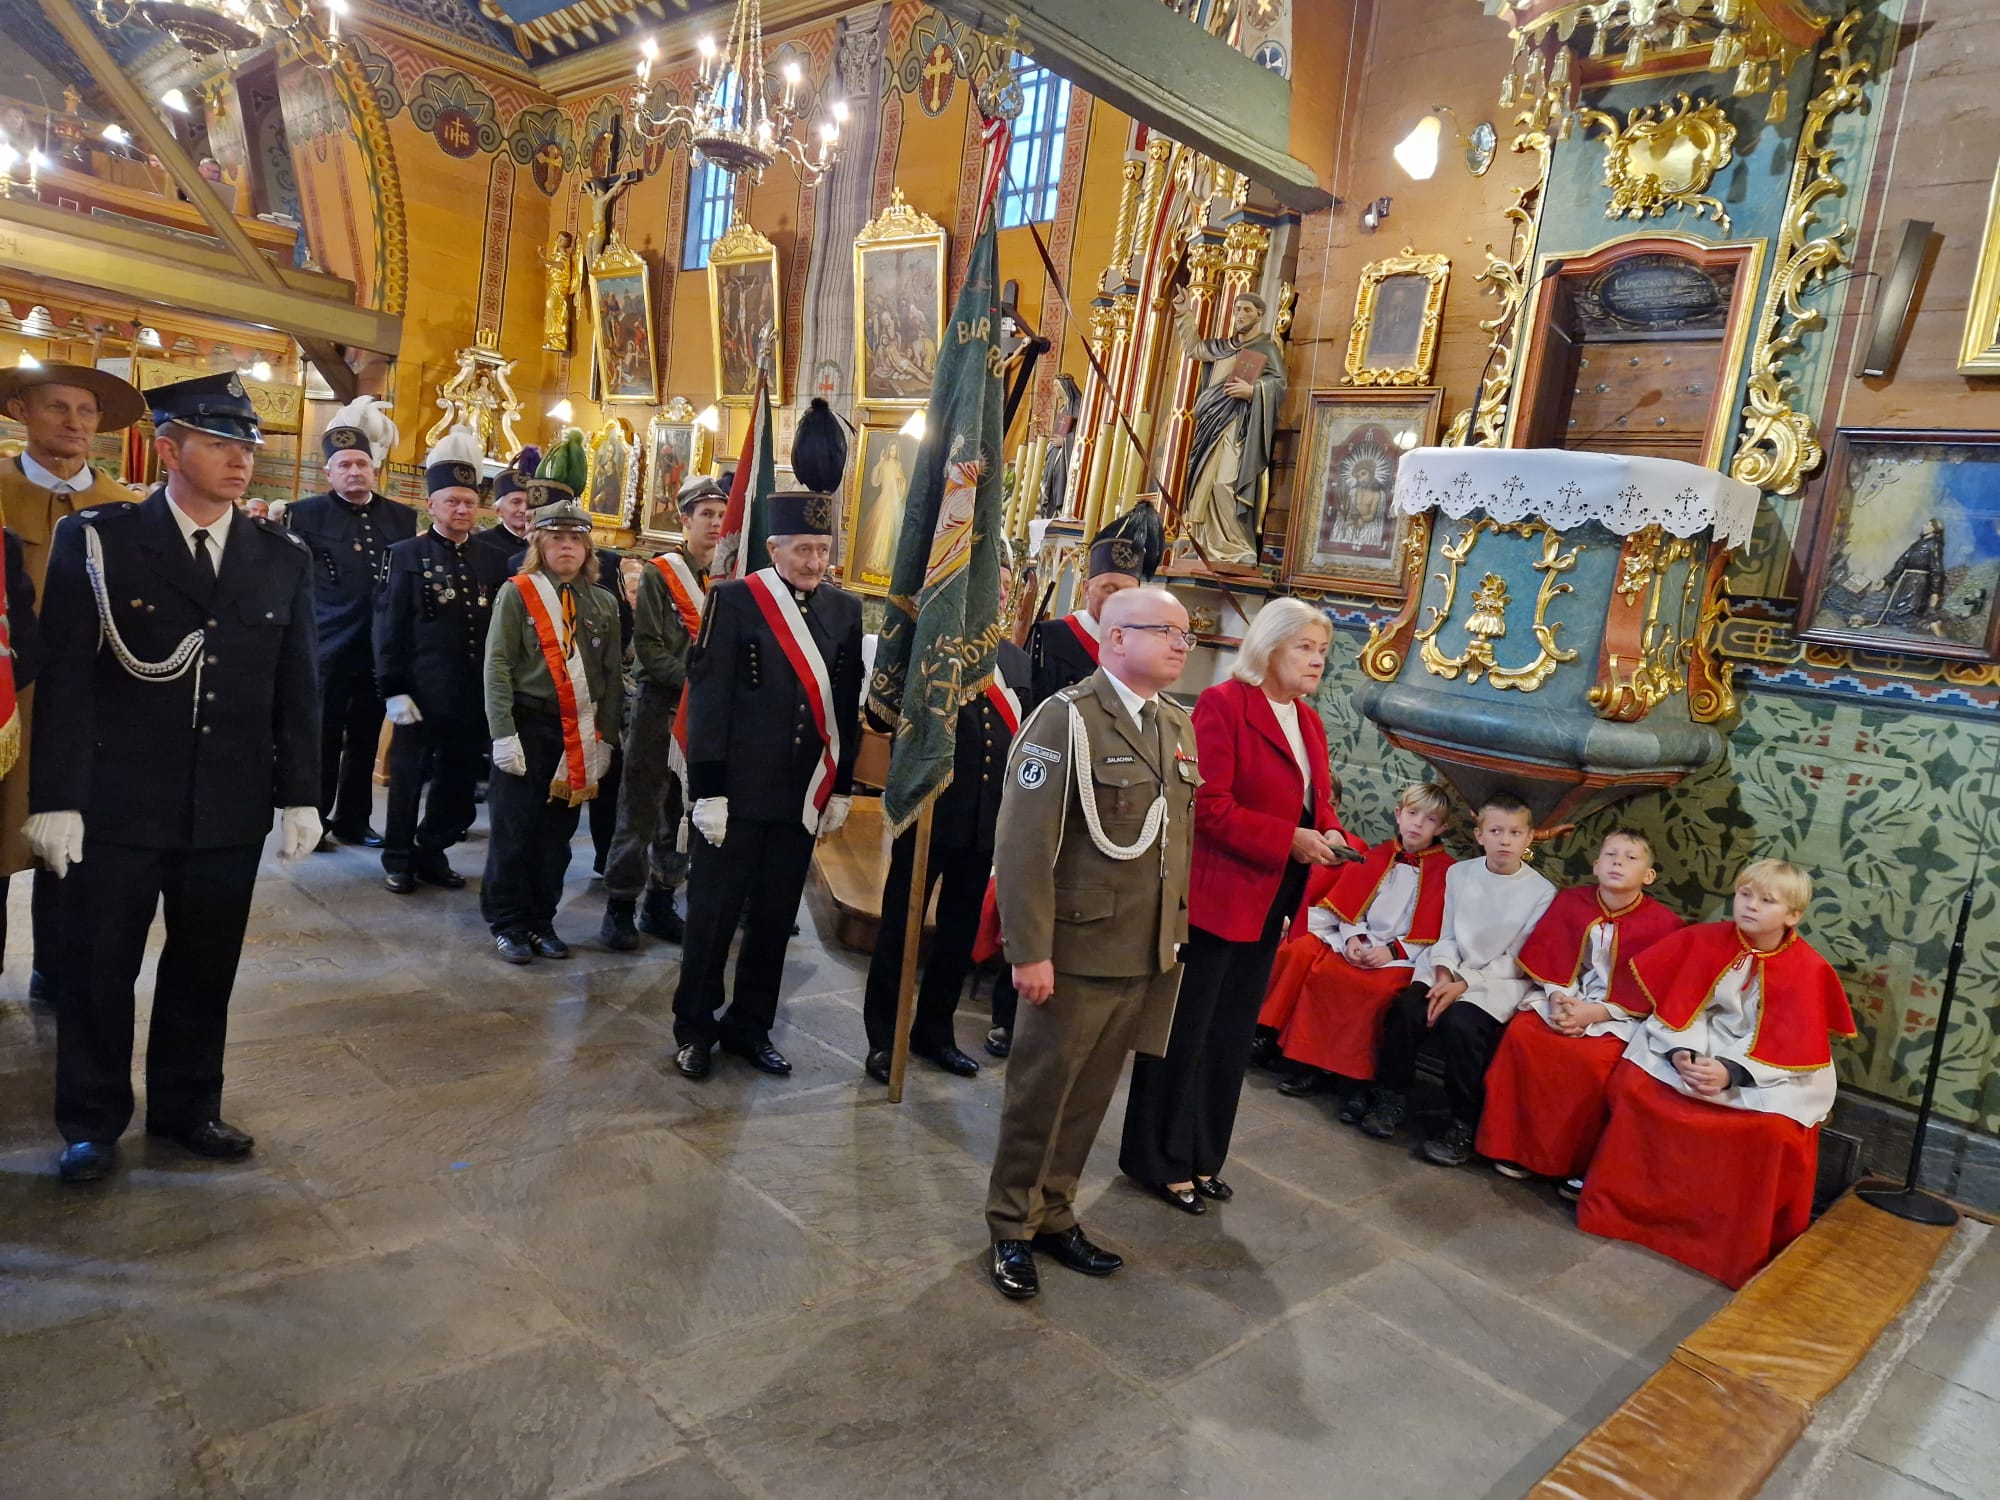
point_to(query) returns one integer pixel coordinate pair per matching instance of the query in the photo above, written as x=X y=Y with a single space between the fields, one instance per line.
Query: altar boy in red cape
x=1330 y=986
x=1713 y=1143
x=1545 y=1090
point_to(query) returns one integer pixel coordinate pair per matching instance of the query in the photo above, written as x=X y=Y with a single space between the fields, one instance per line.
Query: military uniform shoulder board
x=1071 y=693
x=91 y=514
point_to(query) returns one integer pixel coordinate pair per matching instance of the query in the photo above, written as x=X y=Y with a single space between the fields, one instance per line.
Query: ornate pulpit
x=1552 y=639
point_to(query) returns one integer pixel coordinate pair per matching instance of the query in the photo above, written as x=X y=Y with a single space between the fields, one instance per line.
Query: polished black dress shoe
x=1011 y=1266
x=402 y=882
x=327 y=844
x=1075 y=1251
x=1214 y=1188
x=951 y=1060
x=514 y=947
x=762 y=1056
x=1264 y=1051
x=878 y=1065
x=365 y=836
x=87 y=1161
x=693 y=1060
x=441 y=875
x=548 y=945
x=999 y=1042
x=217 y=1140
x=1311 y=1081
x=1187 y=1200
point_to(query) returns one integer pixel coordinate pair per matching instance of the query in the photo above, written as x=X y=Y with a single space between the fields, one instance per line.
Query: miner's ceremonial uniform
x=177 y=709
x=1091 y=872
x=963 y=820
x=350 y=556
x=1064 y=651
x=431 y=621
x=773 y=722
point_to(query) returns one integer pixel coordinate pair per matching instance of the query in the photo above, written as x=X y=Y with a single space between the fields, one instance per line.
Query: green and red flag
x=745 y=525
x=942 y=630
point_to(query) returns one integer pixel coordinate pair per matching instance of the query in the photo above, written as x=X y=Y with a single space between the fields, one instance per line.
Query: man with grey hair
x=1091 y=874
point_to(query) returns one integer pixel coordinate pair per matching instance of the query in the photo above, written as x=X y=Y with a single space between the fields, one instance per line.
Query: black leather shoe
x=327 y=844
x=1310 y=1081
x=762 y=1056
x=1011 y=1266
x=618 y=932
x=1354 y=1108
x=1214 y=1188
x=951 y=1060
x=1264 y=1049
x=87 y=1161
x=999 y=1042
x=1075 y=1251
x=548 y=945
x=441 y=875
x=692 y=1059
x=657 y=918
x=513 y=946
x=217 y=1140
x=878 y=1065
x=1453 y=1148
x=1385 y=1115
x=402 y=882
x=1187 y=1200
x=365 y=836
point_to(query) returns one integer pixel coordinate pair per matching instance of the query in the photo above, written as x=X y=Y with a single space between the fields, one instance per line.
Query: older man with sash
x=773 y=722
x=646 y=851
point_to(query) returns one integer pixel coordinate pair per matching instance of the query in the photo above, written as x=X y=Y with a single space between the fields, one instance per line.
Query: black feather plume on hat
x=819 y=449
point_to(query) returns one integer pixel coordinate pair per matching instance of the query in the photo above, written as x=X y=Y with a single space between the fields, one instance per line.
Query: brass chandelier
x=208 y=28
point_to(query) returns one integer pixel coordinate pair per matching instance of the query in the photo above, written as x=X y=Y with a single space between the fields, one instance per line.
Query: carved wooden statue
x=1235 y=423
x=563 y=271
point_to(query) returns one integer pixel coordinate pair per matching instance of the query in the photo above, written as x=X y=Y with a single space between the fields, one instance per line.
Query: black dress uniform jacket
x=431 y=620
x=197 y=762
x=1057 y=660
x=350 y=558
x=751 y=733
x=965 y=812
x=510 y=549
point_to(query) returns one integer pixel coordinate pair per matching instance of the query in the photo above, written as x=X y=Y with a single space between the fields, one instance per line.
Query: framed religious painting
x=670 y=445
x=899 y=275
x=1397 y=308
x=1906 y=554
x=621 y=305
x=745 y=312
x=878 y=487
x=1344 y=533
x=611 y=481
x=1979 y=350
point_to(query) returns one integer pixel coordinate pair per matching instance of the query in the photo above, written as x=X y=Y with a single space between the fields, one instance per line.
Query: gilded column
x=1115 y=447
x=1084 y=462
x=1244 y=246
x=1119 y=270
x=1206 y=260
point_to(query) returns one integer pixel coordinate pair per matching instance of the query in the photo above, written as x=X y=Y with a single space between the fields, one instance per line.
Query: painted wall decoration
x=460 y=115
x=1908 y=555
x=899 y=269
x=543 y=141
x=1342 y=532
x=876 y=494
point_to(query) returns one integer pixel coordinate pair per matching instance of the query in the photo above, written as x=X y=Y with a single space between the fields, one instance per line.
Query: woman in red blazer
x=1263 y=817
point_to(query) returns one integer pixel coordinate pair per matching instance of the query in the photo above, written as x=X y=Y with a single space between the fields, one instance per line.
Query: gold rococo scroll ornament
x=1393 y=342
x=1389 y=640
x=1780 y=445
x=1488 y=619
x=1480 y=425
x=1665 y=156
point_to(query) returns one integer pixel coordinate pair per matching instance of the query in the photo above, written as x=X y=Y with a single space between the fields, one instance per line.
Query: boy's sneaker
x=1354 y=1108
x=1571 y=1190
x=1453 y=1148
x=1512 y=1169
x=1385 y=1114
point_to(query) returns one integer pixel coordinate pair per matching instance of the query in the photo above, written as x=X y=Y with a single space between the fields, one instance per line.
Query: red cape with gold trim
x=1350 y=891
x=1800 y=998
x=1558 y=950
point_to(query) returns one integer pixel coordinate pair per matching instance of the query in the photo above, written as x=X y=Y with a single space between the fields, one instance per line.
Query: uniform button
x=205 y=728
x=270 y=614
x=211 y=660
x=210 y=697
x=211 y=624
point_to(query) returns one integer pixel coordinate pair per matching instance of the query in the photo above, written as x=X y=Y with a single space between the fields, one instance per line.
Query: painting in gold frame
x=877 y=491
x=621 y=304
x=745 y=313
x=899 y=275
x=1397 y=308
x=1343 y=532
x=1979 y=354
x=670 y=459
x=611 y=481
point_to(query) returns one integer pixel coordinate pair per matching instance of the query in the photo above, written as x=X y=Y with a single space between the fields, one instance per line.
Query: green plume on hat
x=566 y=462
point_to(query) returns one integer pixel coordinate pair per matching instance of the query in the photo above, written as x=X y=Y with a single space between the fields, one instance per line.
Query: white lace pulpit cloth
x=1616 y=490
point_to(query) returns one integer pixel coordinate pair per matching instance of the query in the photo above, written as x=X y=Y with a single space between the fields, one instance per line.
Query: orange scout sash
x=574 y=785
x=688 y=594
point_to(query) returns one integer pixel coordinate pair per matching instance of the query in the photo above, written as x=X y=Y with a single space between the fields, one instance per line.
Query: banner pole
x=913 y=932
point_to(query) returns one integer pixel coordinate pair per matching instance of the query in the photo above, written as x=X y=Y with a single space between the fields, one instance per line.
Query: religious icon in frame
x=621 y=301
x=899 y=276
x=1344 y=532
x=610 y=485
x=746 y=314
x=1907 y=545
x=1397 y=308
x=878 y=490
x=670 y=445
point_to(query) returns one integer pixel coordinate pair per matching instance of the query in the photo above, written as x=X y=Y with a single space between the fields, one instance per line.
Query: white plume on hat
x=459 y=446
x=371 y=415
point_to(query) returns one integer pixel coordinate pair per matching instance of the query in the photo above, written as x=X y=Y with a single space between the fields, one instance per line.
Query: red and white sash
x=1006 y=703
x=781 y=613
x=689 y=596
x=575 y=784
x=1085 y=629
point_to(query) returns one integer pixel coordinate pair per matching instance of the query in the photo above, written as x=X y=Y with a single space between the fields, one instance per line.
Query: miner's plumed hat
x=515 y=475
x=1141 y=525
x=453 y=462
x=543 y=493
x=215 y=404
x=819 y=449
x=799 y=513
x=1117 y=554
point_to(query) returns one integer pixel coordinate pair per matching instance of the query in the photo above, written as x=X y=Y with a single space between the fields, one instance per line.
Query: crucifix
x=605 y=192
x=936 y=72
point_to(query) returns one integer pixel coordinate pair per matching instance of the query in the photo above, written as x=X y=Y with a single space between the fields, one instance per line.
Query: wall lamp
x=1417 y=152
x=1373 y=215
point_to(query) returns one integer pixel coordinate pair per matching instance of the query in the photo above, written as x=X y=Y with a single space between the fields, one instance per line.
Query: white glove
x=711 y=816
x=508 y=755
x=56 y=838
x=403 y=710
x=298 y=832
x=597 y=760
x=835 y=817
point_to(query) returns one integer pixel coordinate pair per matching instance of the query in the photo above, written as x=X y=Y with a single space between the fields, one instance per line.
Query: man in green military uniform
x=1091 y=873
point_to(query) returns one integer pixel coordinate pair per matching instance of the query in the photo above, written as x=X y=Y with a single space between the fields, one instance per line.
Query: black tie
x=203 y=563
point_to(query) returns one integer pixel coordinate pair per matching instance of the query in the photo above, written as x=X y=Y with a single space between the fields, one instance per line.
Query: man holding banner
x=773 y=724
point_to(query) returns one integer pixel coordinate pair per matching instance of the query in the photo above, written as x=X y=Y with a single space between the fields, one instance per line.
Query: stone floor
x=492 y=1245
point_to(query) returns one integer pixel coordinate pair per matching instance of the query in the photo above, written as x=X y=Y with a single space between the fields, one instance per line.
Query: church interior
x=1623 y=389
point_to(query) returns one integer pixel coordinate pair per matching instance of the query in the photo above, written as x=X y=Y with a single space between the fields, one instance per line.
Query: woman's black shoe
x=1215 y=1188
x=1187 y=1200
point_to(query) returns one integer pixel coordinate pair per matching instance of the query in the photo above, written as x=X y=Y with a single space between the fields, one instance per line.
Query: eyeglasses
x=1186 y=637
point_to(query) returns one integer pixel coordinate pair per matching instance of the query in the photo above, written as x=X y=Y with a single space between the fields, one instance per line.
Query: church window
x=1035 y=156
